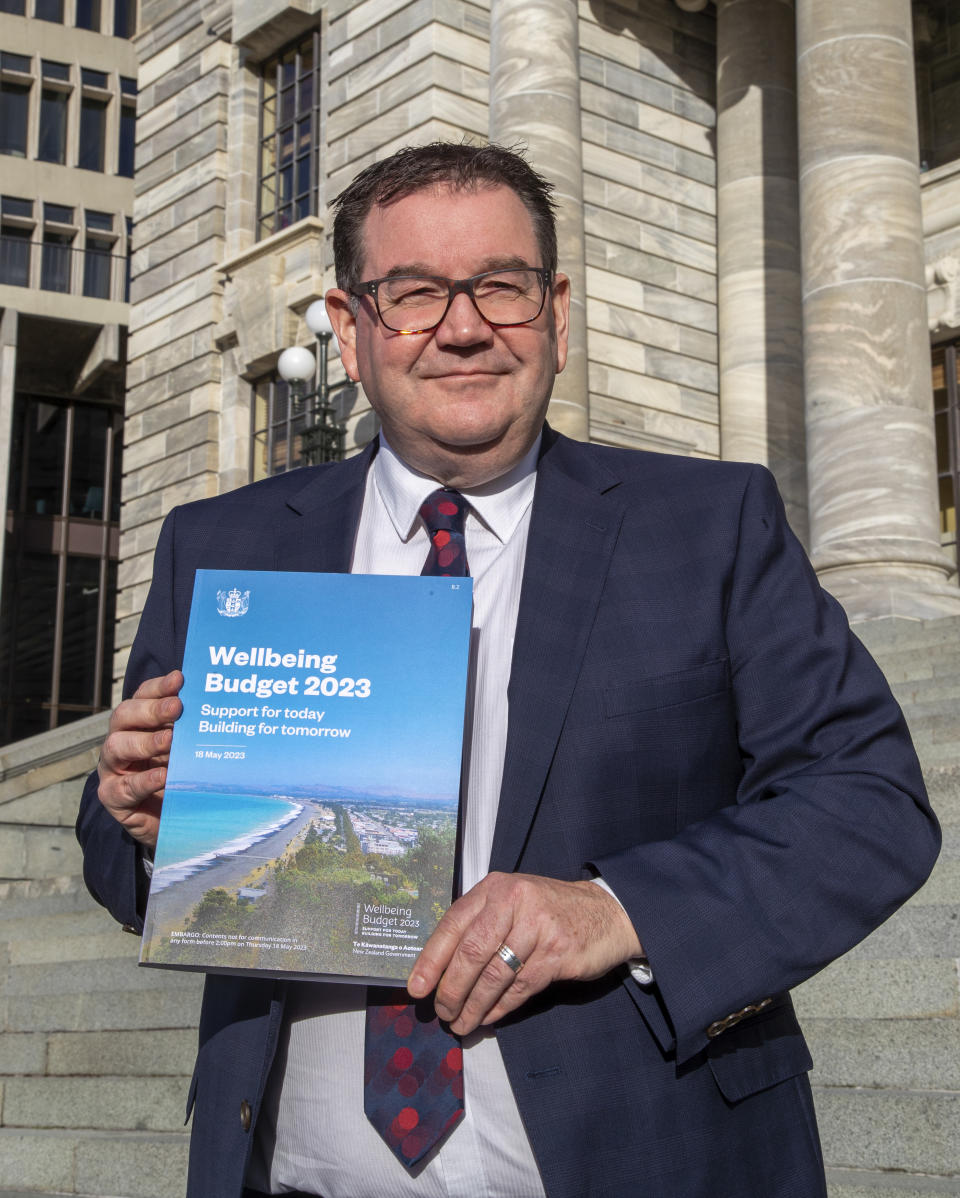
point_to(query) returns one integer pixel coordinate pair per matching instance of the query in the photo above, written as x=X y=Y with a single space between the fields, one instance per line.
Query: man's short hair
x=460 y=166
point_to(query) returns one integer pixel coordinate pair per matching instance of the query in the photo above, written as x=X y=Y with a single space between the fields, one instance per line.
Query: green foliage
x=218 y=911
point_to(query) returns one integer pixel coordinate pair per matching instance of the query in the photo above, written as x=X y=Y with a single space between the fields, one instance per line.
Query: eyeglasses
x=418 y=303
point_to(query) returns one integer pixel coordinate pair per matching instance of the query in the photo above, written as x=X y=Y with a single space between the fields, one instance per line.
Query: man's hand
x=561 y=931
x=133 y=760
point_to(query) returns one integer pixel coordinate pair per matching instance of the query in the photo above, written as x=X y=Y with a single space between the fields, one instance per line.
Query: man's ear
x=560 y=304
x=340 y=310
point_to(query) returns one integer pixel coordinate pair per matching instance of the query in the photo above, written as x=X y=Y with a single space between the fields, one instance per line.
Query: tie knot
x=443 y=513
x=444 y=509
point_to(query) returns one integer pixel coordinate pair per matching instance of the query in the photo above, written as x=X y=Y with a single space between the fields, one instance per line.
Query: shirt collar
x=500 y=504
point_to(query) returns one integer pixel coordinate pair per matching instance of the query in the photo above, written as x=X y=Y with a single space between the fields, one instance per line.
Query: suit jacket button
x=246 y=1115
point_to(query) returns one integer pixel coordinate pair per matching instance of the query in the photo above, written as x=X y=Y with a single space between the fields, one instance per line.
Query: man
x=666 y=709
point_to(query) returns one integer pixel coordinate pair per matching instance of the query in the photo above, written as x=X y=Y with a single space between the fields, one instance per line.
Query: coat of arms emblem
x=233 y=602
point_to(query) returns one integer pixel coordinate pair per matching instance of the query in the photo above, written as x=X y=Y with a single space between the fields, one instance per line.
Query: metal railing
x=72 y=270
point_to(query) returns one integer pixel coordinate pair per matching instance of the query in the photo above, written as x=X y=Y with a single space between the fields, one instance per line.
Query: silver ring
x=509 y=957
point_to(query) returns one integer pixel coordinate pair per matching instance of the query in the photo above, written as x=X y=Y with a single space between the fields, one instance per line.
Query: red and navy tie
x=443 y=512
x=413 y=1066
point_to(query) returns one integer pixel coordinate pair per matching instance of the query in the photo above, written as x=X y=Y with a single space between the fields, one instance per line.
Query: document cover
x=309 y=820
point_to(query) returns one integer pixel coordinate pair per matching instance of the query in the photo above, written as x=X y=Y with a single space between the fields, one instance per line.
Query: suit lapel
x=324 y=515
x=574 y=526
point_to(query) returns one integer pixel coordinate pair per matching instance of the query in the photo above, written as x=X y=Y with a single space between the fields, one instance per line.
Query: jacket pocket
x=759 y=1052
x=668 y=690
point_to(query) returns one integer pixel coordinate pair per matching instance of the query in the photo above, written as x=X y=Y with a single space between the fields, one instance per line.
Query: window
x=17 y=7
x=16 y=234
x=124 y=18
x=52 y=144
x=55 y=262
x=289 y=137
x=49 y=10
x=96 y=266
x=15 y=62
x=88 y=14
x=93 y=125
x=946 y=408
x=56 y=618
x=128 y=129
x=56 y=70
x=93 y=78
x=15 y=256
x=14 y=109
x=287 y=433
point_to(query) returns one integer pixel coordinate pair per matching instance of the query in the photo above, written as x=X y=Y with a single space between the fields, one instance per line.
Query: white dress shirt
x=312 y=1133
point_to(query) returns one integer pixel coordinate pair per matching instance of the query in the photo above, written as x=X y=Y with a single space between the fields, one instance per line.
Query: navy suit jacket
x=691 y=718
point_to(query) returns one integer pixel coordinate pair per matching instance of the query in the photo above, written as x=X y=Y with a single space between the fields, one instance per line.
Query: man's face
x=465 y=401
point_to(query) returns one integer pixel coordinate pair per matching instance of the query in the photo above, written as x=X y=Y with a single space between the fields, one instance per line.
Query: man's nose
x=463 y=324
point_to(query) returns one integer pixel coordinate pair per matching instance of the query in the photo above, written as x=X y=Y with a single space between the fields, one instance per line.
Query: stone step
x=94 y=1164
x=939 y=756
x=28 y=851
x=903 y=1130
x=922 y=662
x=90 y=977
x=163 y=1053
x=172 y=1003
x=912 y=1054
x=881 y=636
x=99 y=1103
x=927 y=690
x=925 y=712
x=922 y=931
x=859 y=988
x=167 y=1053
x=934 y=730
x=943 y=786
x=110 y=944
x=45 y=896
x=862 y=1183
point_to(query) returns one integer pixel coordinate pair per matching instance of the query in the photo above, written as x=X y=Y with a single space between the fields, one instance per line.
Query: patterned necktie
x=413 y=1066
x=443 y=512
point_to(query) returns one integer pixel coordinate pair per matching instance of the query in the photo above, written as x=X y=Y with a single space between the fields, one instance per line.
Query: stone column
x=871 y=460
x=535 y=99
x=758 y=238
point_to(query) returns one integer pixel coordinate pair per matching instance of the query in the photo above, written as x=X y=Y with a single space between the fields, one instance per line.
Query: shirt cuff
x=639 y=967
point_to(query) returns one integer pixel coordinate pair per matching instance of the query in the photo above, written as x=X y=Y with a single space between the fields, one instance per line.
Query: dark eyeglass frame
x=456 y=287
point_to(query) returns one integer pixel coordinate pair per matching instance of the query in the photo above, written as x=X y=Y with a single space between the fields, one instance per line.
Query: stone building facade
x=745 y=230
x=761 y=220
x=68 y=94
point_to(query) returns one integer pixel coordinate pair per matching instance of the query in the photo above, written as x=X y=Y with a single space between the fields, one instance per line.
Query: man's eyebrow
x=496 y=262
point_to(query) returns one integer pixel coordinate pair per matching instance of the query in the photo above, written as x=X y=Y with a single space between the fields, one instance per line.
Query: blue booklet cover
x=309 y=819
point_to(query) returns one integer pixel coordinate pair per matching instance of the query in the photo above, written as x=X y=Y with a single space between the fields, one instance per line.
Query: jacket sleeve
x=831 y=829
x=112 y=860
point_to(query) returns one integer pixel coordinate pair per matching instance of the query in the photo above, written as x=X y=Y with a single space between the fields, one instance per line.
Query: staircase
x=884 y=1021
x=95 y=1054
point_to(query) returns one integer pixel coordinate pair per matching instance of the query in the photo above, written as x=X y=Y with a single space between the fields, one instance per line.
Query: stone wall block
x=821 y=20
x=858 y=229
x=853 y=337
x=857 y=89
x=621 y=168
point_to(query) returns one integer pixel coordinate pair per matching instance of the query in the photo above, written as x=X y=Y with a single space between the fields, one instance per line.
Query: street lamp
x=321 y=440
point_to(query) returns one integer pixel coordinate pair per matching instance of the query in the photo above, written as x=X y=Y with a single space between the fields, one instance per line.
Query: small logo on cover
x=233 y=602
